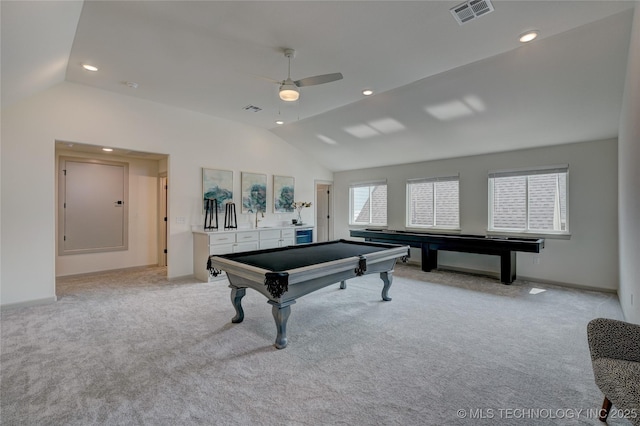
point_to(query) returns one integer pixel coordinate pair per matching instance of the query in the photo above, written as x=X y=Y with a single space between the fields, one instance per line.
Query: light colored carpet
x=133 y=348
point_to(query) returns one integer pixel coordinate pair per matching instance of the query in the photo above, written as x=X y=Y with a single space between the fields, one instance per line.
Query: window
x=434 y=202
x=368 y=203
x=533 y=200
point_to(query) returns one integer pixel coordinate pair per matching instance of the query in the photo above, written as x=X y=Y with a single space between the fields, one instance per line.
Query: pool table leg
x=236 y=299
x=387 y=279
x=281 y=312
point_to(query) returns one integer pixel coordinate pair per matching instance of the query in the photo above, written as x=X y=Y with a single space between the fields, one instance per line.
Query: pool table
x=284 y=274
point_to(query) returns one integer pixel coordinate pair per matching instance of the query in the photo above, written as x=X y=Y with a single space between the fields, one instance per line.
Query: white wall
x=76 y=113
x=629 y=178
x=143 y=222
x=588 y=258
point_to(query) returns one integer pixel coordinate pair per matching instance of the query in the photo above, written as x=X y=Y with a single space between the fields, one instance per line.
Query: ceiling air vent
x=470 y=10
x=252 y=108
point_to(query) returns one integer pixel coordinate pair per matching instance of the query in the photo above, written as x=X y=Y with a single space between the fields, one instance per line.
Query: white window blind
x=433 y=202
x=368 y=203
x=529 y=200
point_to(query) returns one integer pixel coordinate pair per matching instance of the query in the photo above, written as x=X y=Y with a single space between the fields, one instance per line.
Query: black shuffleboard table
x=505 y=247
x=284 y=274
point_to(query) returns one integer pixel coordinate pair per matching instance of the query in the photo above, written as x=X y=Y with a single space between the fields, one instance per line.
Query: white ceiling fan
x=289 y=88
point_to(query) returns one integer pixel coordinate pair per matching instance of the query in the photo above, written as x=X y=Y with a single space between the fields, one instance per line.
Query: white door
x=323 y=212
x=94 y=206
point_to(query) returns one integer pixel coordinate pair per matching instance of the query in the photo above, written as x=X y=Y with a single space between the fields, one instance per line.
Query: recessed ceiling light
x=89 y=67
x=279 y=122
x=107 y=149
x=529 y=36
x=367 y=92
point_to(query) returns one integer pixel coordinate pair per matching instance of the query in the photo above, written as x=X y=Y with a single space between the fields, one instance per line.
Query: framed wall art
x=283 y=194
x=254 y=192
x=217 y=185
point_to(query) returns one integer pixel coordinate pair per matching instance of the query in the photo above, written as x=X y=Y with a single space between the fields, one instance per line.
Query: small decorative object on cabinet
x=230 y=219
x=298 y=206
x=211 y=209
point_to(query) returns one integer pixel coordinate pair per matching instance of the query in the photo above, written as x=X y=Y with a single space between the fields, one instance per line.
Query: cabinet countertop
x=200 y=230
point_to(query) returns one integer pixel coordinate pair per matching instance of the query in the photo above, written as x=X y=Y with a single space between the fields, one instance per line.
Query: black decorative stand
x=230 y=219
x=211 y=209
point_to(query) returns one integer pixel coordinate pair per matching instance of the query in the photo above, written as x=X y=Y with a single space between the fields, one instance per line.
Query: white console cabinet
x=223 y=242
x=272 y=238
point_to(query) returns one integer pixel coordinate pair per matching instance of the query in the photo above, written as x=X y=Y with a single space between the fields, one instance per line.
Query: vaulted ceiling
x=441 y=89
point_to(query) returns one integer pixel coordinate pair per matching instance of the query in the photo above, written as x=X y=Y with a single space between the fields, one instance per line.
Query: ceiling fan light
x=289 y=92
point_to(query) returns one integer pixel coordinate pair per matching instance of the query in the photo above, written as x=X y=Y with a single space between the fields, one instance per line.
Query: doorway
x=324 y=215
x=141 y=207
x=163 y=224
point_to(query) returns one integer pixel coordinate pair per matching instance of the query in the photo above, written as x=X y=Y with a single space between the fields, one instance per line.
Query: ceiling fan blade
x=269 y=79
x=318 y=79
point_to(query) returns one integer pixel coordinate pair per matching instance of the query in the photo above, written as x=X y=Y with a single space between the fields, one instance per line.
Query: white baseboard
x=493 y=274
x=25 y=304
x=568 y=285
x=102 y=271
x=519 y=277
x=184 y=277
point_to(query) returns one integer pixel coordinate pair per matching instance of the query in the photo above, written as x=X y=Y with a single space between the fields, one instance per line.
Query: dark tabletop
x=300 y=256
